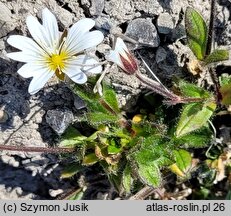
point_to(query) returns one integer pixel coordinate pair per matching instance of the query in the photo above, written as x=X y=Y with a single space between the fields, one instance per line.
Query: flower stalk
x=56 y=150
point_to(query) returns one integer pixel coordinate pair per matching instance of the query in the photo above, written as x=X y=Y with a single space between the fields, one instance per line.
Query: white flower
x=122 y=57
x=52 y=53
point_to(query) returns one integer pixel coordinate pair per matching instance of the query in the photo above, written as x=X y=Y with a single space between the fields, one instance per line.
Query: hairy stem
x=156 y=87
x=211 y=27
x=36 y=149
x=172 y=98
x=215 y=80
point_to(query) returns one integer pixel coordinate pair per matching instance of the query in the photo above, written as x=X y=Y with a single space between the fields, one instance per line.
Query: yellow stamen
x=56 y=63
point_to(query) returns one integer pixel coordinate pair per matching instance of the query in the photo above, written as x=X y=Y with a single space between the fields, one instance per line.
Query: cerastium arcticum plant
x=135 y=151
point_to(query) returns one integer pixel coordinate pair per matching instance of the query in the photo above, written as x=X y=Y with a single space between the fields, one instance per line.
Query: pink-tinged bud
x=123 y=58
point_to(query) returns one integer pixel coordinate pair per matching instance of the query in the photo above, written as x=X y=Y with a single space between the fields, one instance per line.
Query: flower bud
x=122 y=57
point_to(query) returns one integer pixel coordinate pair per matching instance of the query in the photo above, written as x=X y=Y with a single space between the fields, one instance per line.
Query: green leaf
x=110 y=97
x=183 y=159
x=226 y=94
x=99 y=118
x=90 y=159
x=77 y=195
x=216 y=56
x=194 y=116
x=127 y=179
x=197 y=139
x=225 y=79
x=72 y=137
x=152 y=156
x=103 y=110
x=70 y=170
x=196 y=31
x=192 y=90
x=113 y=149
x=91 y=99
x=150 y=175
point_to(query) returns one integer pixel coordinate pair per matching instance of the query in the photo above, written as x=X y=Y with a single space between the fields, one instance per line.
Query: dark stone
x=165 y=23
x=59 y=120
x=143 y=31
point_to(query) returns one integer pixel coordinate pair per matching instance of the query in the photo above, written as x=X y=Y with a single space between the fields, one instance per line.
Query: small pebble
x=165 y=23
x=59 y=120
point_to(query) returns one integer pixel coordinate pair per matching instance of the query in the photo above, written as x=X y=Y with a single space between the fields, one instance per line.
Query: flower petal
x=51 y=27
x=74 y=72
x=85 y=41
x=39 y=33
x=78 y=29
x=94 y=67
x=25 y=57
x=114 y=55
x=25 y=44
x=30 y=70
x=120 y=45
x=39 y=80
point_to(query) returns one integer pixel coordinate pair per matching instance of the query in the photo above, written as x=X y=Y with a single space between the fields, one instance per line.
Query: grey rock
x=59 y=120
x=96 y=7
x=165 y=23
x=78 y=102
x=127 y=87
x=161 y=54
x=3 y=116
x=5 y=14
x=6 y=21
x=103 y=23
x=143 y=31
x=178 y=32
x=149 y=6
x=121 y=10
x=2 y=45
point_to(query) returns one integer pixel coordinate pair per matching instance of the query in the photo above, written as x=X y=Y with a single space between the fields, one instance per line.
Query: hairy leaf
x=71 y=170
x=72 y=137
x=90 y=159
x=152 y=156
x=110 y=97
x=127 y=179
x=99 y=118
x=216 y=56
x=192 y=90
x=183 y=159
x=194 y=116
x=197 y=139
x=225 y=79
x=196 y=31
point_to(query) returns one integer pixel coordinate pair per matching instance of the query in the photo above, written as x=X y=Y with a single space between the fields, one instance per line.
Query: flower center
x=57 y=63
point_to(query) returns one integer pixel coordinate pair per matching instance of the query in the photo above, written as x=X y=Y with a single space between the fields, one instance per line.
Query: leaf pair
x=197 y=36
